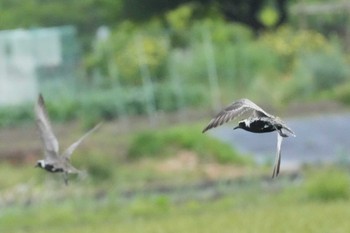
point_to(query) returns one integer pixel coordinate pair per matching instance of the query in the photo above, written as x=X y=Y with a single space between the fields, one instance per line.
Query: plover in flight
x=259 y=121
x=53 y=161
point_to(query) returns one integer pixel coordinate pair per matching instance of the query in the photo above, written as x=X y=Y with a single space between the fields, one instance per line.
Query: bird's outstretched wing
x=234 y=110
x=276 y=167
x=47 y=136
x=68 y=153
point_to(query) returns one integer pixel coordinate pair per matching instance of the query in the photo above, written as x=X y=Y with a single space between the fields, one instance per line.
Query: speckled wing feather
x=234 y=110
x=47 y=136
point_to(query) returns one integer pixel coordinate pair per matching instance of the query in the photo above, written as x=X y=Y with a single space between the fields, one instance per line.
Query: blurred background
x=155 y=72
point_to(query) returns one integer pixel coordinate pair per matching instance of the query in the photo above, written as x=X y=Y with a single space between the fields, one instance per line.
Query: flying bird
x=259 y=121
x=54 y=161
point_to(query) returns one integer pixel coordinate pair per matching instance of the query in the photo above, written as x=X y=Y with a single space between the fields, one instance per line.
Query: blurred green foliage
x=269 y=16
x=12 y=116
x=128 y=50
x=99 y=168
x=249 y=206
x=93 y=106
x=327 y=184
x=145 y=207
x=164 y=62
x=164 y=143
x=87 y=16
x=327 y=17
x=283 y=64
x=340 y=93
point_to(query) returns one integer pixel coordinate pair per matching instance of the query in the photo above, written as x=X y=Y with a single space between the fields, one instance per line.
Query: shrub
x=64 y=109
x=93 y=105
x=288 y=44
x=327 y=69
x=168 y=141
x=11 y=116
x=130 y=50
x=327 y=185
x=179 y=20
x=340 y=93
x=328 y=24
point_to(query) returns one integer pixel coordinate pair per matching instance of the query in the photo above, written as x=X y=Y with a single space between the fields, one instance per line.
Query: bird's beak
x=237 y=127
x=36 y=165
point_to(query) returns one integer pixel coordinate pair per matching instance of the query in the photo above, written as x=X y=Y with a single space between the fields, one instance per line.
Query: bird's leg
x=65 y=177
x=276 y=166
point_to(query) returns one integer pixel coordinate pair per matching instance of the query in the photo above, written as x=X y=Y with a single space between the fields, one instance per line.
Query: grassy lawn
x=236 y=213
x=319 y=203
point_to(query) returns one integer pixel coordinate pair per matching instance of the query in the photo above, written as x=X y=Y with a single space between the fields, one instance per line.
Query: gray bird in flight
x=53 y=160
x=259 y=121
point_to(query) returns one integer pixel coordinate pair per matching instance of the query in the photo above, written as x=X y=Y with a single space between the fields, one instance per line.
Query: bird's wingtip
x=99 y=125
x=275 y=173
x=41 y=99
x=207 y=128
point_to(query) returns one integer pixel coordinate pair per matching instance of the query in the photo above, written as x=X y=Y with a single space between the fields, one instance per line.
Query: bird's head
x=40 y=163
x=242 y=124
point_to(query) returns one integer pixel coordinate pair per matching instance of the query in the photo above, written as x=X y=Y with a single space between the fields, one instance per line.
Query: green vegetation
x=144 y=195
x=328 y=185
x=162 y=64
x=339 y=93
x=164 y=58
x=285 y=65
x=252 y=207
x=167 y=142
x=10 y=116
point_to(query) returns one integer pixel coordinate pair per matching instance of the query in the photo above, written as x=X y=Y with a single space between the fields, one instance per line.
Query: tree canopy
x=89 y=14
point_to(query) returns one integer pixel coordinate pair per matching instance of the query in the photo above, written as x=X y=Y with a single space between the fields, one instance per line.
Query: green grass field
x=167 y=189
x=246 y=211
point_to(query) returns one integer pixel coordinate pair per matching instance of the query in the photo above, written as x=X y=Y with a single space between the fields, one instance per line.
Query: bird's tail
x=82 y=175
x=286 y=132
x=73 y=170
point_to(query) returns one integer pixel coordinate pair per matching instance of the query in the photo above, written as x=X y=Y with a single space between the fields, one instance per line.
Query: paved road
x=319 y=139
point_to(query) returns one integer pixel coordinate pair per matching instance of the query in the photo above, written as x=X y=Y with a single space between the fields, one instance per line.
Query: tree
x=244 y=11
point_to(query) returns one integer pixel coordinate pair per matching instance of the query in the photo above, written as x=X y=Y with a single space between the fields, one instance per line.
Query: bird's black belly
x=259 y=126
x=50 y=168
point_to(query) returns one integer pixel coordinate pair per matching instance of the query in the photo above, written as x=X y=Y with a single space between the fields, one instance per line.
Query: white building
x=25 y=53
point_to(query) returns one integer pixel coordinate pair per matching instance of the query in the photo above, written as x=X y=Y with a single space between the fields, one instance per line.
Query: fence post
x=114 y=74
x=146 y=81
x=176 y=82
x=211 y=68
